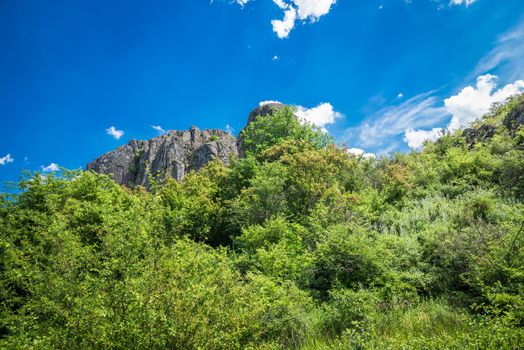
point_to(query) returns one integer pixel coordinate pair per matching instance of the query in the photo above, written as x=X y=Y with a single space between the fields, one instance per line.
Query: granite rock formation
x=173 y=154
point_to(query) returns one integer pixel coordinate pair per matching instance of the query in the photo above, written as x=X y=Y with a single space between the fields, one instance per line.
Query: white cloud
x=361 y=153
x=296 y=10
x=475 y=101
x=462 y=2
x=419 y=118
x=6 y=159
x=506 y=56
x=263 y=103
x=313 y=9
x=467 y=106
x=380 y=131
x=415 y=138
x=321 y=115
x=157 y=128
x=283 y=27
x=303 y=10
x=113 y=132
x=50 y=168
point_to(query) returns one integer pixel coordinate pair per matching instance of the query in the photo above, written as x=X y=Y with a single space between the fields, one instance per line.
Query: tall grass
x=431 y=325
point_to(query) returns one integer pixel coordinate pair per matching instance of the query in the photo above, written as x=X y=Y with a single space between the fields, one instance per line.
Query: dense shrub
x=297 y=245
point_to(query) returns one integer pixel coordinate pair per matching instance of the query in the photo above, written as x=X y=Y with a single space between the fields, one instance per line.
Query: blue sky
x=379 y=75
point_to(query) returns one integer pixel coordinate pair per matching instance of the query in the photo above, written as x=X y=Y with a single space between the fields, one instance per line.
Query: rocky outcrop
x=515 y=117
x=512 y=121
x=480 y=134
x=261 y=111
x=173 y=154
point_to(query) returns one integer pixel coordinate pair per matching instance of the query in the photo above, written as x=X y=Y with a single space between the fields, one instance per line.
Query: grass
x=431 y=325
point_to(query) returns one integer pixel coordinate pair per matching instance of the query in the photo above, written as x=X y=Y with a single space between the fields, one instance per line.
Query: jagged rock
x=260 y=111
x=173 y=154
x=513 y=120
x=480 y=134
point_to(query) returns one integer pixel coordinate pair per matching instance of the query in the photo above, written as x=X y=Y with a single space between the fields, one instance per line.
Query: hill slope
x=295 y=245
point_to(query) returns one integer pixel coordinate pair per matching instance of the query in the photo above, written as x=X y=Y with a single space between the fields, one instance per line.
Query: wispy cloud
x=158 y=129
x=267 y=102
x=507 y=55
x=113 y=132
x=461 y=2
x=6 y=159
x=50 y=168
x=427 y=117
x=383 y=129
x=471 y=103
x=229 y=129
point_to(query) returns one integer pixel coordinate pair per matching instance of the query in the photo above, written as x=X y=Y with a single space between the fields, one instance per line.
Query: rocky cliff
x=173 y=154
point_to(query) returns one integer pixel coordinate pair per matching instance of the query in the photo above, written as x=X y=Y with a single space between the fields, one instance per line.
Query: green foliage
x=296 y=245
x=272 y=130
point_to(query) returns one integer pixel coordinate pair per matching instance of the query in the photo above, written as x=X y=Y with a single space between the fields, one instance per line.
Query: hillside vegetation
x=299 y=245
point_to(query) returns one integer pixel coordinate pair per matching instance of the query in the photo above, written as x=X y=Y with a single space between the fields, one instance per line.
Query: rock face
x=480 y=134
x=512 y=122
x=173 y=154
x=261 y=111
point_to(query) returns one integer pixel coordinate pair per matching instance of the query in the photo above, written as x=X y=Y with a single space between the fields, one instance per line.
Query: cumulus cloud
x=113 y=132
x=313 y=9
x=6 y=159
x=361 y=153
x=468 y=105
x=296 y=10
x=322 y=115
x=461 y=2
x=158 y=129
x=283 y=27
x=475 y=101
x=416 y=138
x=302 y=10
x=50 y=168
